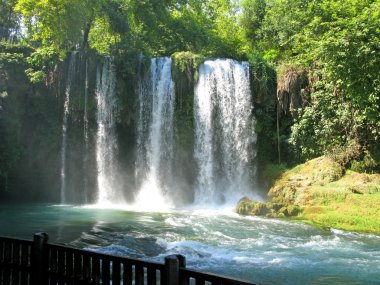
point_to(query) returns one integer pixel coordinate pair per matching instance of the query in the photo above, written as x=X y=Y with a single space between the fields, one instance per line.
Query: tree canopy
x=153 y=27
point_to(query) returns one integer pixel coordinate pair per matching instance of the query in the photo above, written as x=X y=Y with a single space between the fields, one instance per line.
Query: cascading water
x=66 y=112
x=224 y=132
x=106 y=142
x=224 y=136
x=85 y=135
x=155 y=135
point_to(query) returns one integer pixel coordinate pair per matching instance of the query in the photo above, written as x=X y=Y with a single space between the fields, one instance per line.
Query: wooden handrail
x=39 y=262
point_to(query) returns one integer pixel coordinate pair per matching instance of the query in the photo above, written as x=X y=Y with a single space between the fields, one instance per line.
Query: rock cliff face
x=32 y=116
x=36 y=120
x=276 y=99
x=185 y=75
x=31 y=119
x=29 y=126
x=292 y=91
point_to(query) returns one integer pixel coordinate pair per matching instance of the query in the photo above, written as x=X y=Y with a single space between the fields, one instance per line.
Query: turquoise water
x=265 y=251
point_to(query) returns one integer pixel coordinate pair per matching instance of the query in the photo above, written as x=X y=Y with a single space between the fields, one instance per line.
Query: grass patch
x=356 y=213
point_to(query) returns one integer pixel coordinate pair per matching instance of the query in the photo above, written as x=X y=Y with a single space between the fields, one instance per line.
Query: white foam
x=126 y=207
x=173 y=222
x=151 y=199
x=354 y=234
x=319 y=243
x=276 y=261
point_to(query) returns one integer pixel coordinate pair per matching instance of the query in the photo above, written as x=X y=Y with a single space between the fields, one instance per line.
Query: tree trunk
x=86 y=33
x=278 y=134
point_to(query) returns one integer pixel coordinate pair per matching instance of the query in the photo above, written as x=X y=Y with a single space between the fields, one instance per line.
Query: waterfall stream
x=155 y=135
x=86 y=136
x=106 y=142
x=224 y=132
x=66 y=113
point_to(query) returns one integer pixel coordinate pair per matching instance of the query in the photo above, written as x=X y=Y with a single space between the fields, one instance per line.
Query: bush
x=366 y=165
x=347 y=153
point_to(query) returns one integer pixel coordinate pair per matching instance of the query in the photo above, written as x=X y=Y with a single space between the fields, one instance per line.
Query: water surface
x=265 y=251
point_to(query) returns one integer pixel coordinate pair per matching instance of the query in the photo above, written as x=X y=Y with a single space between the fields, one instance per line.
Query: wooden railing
x=68 y=265
x=15 y=262
x=39 y=262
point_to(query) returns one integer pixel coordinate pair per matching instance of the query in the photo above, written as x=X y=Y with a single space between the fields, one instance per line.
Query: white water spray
x=224 y=132
x=155 y=135
x=106 y=143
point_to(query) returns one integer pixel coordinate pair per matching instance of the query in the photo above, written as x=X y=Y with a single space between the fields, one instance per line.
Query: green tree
x=9 y=20
x=349 y=50
x=61 y=25
x=338 y=43
x=251 y=19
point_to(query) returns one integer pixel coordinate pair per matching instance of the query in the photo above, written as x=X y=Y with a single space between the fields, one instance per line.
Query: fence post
x=182 y=264
x=172 y=264
x=37 y=259
x=181 y=260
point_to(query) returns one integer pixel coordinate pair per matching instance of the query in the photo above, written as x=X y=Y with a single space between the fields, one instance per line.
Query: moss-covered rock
x=321 y=191
x=290 y=210
x=267 y=209
x=185 y=72
x=294 y=182
x=292 y=89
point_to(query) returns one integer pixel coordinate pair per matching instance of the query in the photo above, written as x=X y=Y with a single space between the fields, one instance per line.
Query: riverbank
x=322 y=192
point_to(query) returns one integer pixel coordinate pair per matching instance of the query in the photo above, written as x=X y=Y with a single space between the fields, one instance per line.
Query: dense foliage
x=335 y=42
x=338 y=44
x=153 y=27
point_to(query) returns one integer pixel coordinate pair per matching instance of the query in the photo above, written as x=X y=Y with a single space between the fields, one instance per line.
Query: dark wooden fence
x=15 y=261
x=38 y=262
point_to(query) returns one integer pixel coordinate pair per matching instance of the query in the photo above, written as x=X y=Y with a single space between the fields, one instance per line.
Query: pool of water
x=265 y=251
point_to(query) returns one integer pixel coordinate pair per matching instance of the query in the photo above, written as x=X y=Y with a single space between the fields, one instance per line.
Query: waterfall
x=86 y=136
x=155 y=135
x=106 y=142
x=66 y=113
x=224 y=132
